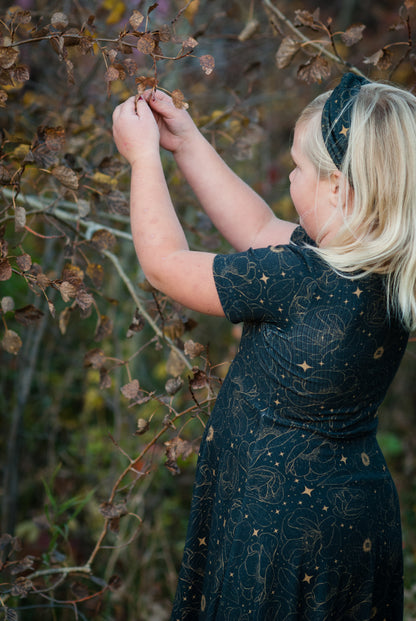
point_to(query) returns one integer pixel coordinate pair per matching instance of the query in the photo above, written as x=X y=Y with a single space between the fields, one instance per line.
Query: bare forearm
x=234 y=208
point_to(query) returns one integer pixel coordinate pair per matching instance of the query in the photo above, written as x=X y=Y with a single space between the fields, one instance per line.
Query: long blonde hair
x=379 y=225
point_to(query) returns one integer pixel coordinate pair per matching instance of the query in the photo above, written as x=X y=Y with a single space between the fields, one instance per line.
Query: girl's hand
x=135 y=130
x=176 y=127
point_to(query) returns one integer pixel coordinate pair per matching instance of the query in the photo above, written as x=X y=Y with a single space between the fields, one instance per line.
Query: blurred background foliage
x=106 y=384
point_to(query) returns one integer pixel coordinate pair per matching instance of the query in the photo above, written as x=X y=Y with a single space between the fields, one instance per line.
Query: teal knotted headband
x=336 y=116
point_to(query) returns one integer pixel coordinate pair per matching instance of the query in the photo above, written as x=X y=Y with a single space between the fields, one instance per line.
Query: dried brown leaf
x=136 y=325
x=21 y=73
x=179 y=99
x=146 y=43
x=190 y=43
x=104 y=328
x=176 y=448
x=174 y=364
x=353 y=34
x=94 y=358
x=142 y=426
x=95 y=271
x=111 y=510
x=8 y=57
x=136 y=19
x=173 y=385
x=67 y=290
x=306 y=18
x=144 y=82
x=23 y=565
x=381 y=59
x=111 y=74
x=59 y=20
x=11 y=342
x=131 y=390
x=22 y=587
x=174 y=328
x=28 y=315
x=315 y=70
x=105 y=379
x=7 y=304
x=73 y=274
x=5 y=269
x=84 y=299
x=42 y=281
x=20 y=16
x=103 y=239
x=24 y=262
x=192 y=349
x=199 y=379
x=207 y=63
x=287 y=50
x=3 y=98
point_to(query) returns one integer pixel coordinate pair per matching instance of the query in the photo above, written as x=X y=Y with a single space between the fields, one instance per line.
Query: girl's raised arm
x=160 y=243
x=238 y=212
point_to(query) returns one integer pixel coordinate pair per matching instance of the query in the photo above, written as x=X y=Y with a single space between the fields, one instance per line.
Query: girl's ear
x=334 y=187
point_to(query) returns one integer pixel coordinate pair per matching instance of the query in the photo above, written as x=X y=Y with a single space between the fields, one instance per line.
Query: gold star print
x=357 y=292
x=256 y=532
x=202 y=541
x=305 y=366
x=277 y=402
x=343 y=459
x=264 y=278
x=325 y=508
x=344 y=131
x=307 y=579
x=308 y=491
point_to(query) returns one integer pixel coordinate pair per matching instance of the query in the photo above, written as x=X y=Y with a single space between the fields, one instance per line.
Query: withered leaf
x=315 y=70
x=59 y=20
x=5 y=175
x=207 y=63
x=306 y=18
x=22 y=587
x=173 y=385
x=5 y=269
x=192 y=349
x=105 y=379
x=143 y=82
x=95 y=271
x=117 y=202
x=20 y=16
x=381 y=59
x=24 y=262
x=84 y=299
x=179 y=99
x=66 y=176
x=136 y=325
x=142 y=426
x=8 y=57
x=103 y=239
x=11 y=615
x=131 y=389
x=42 y=281
x=198 y=379
x=177 y=448
x=69 y=66
x=174 y=364
x=130 y=65
x=3 y=98
x=146 y=43
x=111 y=74
x=112 y=510
x=94 y=358
x=67 y=290
x=11 y=342
x=7 y=304
x=165 y=34
x=136 y=19
x=21 y=73
x=174 y=328
x=51 y=307
x=28 y=315
x=287 y=50
x=21 y=566
x=353 y=34
x=104 y=328
x=73 y=274
x=190 y=43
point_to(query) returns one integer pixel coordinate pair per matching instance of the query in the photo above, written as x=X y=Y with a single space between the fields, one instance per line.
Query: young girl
x=294 y=515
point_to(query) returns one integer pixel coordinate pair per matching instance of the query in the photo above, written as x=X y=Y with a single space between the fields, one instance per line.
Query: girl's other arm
x=238 y=212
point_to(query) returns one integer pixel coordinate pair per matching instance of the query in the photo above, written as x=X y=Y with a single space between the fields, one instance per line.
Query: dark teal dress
x=295 y=516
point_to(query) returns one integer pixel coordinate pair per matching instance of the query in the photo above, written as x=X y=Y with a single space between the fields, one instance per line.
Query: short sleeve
x=260 y=284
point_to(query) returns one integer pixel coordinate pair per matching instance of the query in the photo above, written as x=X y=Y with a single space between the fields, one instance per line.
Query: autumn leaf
x=306 y=18
x=84 y=299
x=8 y=57
x=11 y=342
x=287 y=50
x=19 y=218
x=111 y=510
x=66 y=176
x=136 y=19
x=142 y=426
x=103 y=239
x=24 y=262
x=5 y=269
x=7 y=304
x=315 y=70
x=59 y=21
x=94 y=358
x=28 y=315
x=173 y=385
x=199 y=379
x=131 y=390
x=179 y=99
x=95 y=271
x=192 y=349
x=353 y=34
x=146 y=43
x=104 y=328
x=207 y=63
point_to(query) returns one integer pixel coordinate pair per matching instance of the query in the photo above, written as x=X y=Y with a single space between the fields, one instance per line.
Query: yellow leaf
x=117 y=10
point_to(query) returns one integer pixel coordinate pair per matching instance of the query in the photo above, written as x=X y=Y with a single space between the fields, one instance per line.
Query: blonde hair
x=379 y=200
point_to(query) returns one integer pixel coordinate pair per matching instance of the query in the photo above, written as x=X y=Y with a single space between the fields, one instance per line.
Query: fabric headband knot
x=336 y=116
